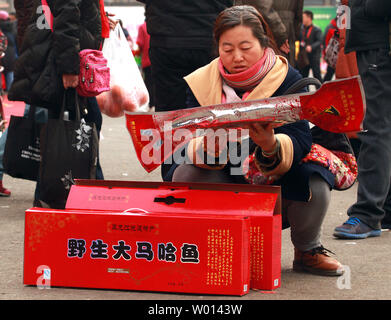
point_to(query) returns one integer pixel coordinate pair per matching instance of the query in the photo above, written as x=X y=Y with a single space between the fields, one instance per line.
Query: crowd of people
x=197 y=53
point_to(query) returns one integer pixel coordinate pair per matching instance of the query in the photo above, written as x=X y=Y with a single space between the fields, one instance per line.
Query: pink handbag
x=94 y=76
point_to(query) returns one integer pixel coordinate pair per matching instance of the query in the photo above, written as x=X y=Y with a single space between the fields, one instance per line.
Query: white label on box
x=275 y=282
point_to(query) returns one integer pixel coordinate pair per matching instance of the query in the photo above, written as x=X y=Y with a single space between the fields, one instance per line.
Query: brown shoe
x=317 y=261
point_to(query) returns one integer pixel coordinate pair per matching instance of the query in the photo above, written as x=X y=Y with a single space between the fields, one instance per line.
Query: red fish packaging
x=338 y=106
x=134 y=251
x=157 y=236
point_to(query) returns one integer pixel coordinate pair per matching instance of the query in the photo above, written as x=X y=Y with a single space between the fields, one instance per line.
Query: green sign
x=322 y=15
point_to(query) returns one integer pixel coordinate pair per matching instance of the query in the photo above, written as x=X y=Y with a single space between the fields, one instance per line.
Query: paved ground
x=368 y=260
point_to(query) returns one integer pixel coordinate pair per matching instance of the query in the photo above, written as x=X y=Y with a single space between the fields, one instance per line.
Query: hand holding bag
x=22 y=149
x=69 y=151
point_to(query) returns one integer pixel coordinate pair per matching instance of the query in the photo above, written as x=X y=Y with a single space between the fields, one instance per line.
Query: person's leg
x=94 y=115
x=374 y=161
x=315 y=66
x=149 y=84
x=3 y=191
x=329 y=74
x=168 y=67
x=41 y=116
x=305 y=71
x=190 y=173
x=306 y=219
x=167 y=73
x=386 y=221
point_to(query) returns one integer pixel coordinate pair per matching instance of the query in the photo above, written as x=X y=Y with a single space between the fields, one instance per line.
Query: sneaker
x=317 y=261
x=354 y=228
x=3 y=191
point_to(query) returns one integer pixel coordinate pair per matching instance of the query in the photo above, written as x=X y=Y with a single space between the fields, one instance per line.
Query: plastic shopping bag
x=127 y=88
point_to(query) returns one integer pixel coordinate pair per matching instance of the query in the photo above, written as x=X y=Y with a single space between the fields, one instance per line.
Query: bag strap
x=31 y=114
x=64 y=102
x=302 y=83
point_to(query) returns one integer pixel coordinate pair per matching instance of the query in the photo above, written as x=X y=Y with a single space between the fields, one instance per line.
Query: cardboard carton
x=205 y=254
x=261 y=203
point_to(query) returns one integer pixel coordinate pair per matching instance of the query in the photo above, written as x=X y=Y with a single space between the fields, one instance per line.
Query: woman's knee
x=320 y=191
x=191 y=173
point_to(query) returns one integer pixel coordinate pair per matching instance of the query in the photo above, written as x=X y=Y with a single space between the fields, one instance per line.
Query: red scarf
x=250 y=78
x=104 y=20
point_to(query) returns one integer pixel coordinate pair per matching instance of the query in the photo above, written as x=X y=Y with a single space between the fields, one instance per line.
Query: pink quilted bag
x=94 y=76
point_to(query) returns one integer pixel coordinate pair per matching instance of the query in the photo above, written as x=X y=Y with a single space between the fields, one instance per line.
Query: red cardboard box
x=156 y=252
x=261 y=203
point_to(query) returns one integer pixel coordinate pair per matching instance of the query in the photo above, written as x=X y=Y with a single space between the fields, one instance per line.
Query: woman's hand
x=263 y=136
x=112 y=22
x=70 y=80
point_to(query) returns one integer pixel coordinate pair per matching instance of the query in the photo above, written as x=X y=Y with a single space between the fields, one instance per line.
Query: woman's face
x=239 y=49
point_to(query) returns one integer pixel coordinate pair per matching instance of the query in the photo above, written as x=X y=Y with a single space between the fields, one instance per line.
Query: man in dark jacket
x=310 y=42
x=369 y=36
x=181 y=41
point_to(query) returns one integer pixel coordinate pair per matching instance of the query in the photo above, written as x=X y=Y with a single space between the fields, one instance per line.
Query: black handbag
x=22 y=151
x=69 y=150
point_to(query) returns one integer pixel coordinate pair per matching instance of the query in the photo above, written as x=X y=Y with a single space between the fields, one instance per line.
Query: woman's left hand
x=263 y=135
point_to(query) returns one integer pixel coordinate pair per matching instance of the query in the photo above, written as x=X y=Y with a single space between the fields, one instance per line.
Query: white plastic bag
x=127 y=88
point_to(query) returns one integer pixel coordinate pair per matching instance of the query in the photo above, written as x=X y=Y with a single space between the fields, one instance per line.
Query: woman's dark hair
x=244 y=16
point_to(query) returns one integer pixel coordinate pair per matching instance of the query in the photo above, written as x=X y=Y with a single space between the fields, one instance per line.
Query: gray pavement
x=367 y=260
